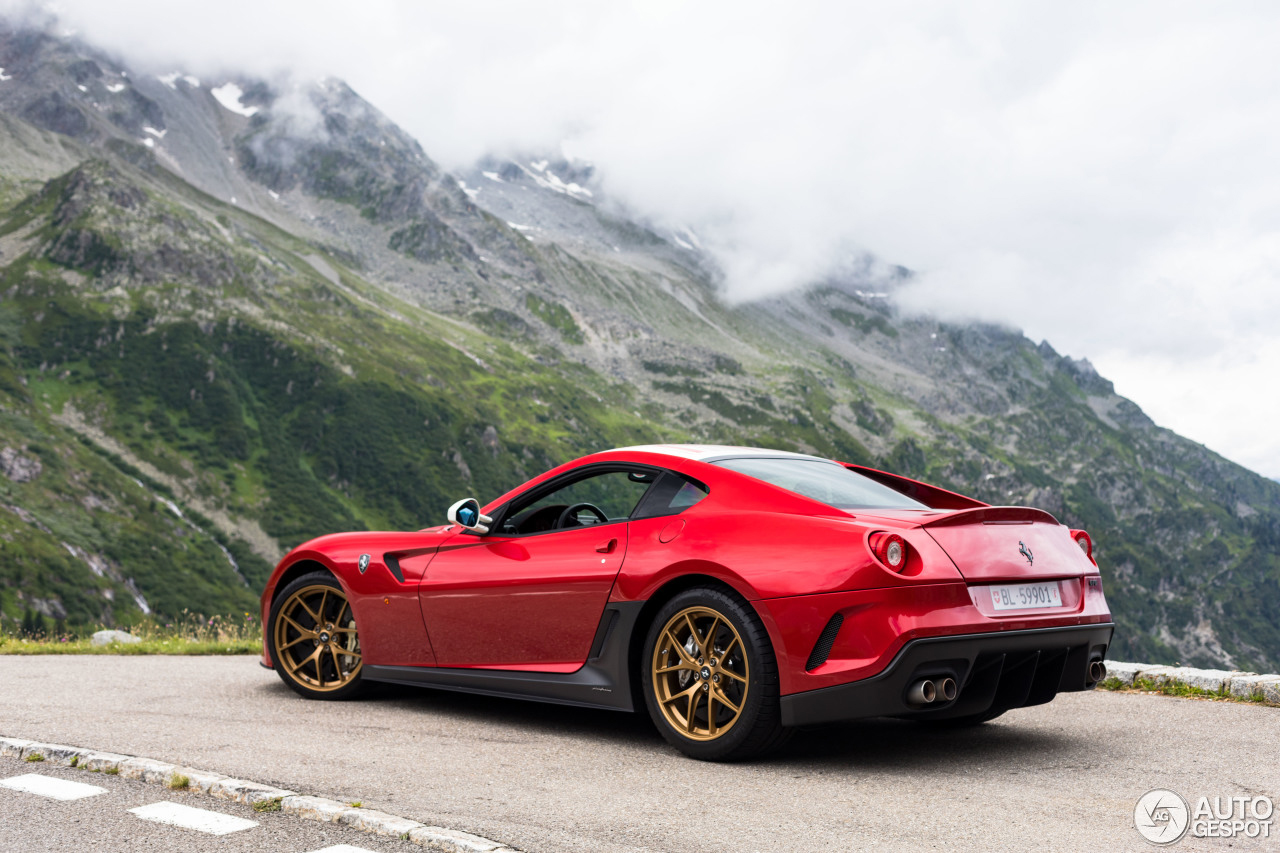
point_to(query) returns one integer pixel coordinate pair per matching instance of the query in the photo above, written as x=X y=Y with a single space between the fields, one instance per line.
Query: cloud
x=1100 y=175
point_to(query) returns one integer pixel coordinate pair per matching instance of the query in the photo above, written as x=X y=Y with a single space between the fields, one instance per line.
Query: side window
x=671 y=495
x=599 y=499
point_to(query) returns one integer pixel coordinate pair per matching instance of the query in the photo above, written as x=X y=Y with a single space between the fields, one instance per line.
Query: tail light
x=1085 y=543
x=890 y=549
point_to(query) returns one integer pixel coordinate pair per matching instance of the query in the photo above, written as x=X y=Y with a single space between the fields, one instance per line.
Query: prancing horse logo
x=364 y=562
x=1022 y=549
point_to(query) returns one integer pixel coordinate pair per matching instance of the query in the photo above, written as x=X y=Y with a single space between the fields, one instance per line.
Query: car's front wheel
x=711 y=679
x=313 y=637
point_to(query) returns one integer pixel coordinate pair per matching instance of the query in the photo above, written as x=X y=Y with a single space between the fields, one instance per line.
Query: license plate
x=1025 y=596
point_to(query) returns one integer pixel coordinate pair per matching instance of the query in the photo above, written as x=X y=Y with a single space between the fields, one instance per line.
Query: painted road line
x=54 y=789
x=201 y=820
x=343 y=848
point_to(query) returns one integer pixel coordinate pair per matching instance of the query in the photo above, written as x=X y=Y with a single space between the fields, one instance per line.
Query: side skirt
x=602 y=682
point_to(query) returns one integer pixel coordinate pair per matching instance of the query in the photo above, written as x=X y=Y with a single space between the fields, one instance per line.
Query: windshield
x=829 y=482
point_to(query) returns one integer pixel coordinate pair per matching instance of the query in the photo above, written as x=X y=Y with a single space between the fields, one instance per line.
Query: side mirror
x=466 y=512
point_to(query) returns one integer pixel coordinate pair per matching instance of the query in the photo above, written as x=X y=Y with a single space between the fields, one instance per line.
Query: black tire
x=332 y=640
x=756 y=726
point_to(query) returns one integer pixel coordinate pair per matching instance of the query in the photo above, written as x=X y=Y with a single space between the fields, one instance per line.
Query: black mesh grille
x=826 y=640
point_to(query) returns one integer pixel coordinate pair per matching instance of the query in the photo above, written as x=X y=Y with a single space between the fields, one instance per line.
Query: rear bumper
x=994 y=671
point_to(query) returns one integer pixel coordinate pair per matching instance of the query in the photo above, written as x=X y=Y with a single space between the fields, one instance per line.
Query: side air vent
x=826 y=640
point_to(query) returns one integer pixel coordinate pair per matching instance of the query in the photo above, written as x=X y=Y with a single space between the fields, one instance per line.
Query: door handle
x=607 y=548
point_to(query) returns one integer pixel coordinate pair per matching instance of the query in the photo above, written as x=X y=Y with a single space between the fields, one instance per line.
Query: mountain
x=240 y=313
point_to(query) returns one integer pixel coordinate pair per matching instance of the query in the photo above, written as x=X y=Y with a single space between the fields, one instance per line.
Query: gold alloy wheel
x=316 y=640
x=700 y=675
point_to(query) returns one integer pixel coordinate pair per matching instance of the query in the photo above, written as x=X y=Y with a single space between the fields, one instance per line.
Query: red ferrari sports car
x=736 y=592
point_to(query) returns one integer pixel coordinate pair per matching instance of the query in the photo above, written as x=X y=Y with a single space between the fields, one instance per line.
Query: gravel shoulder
x=547 y=778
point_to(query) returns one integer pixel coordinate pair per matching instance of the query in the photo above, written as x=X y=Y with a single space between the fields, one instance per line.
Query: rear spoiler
x=993 y=515
x=930 y=496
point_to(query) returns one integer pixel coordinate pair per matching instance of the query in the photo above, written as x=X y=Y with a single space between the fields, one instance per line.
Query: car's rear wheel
x=711 y=682
x=314 y=642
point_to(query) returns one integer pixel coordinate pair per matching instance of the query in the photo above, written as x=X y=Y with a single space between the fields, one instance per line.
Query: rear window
x=829 y=482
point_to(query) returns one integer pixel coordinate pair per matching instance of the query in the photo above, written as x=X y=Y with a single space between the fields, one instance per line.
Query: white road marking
x=47 y=786
x=176 y=814
x=343 y=848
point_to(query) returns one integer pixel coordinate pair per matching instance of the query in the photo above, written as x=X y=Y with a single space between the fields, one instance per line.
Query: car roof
x=715 y=452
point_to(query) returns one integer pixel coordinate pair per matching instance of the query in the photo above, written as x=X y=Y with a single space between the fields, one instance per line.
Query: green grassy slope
x=241 y=373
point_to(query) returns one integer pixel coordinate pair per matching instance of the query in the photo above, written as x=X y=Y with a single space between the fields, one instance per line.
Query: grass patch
x=556 y=316
x=189 y=634
x=271 y=805
x=34 y=757
x=356 y=804
x=178 y=782
x=75 y=761
x=1177 y=688
x=178 y=646
x=112 y=771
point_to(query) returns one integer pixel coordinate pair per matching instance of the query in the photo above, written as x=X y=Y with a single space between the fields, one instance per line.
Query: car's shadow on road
x=877 y=744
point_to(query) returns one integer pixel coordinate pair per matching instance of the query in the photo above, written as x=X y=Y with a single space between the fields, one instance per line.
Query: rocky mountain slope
x=236 y=314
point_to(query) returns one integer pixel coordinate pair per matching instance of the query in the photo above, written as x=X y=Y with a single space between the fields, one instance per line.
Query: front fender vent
x=826 y=640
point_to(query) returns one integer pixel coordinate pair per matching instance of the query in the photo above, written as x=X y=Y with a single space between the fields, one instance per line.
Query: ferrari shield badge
x=364 y=562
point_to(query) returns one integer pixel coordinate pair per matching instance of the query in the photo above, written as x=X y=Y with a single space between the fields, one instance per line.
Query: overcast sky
x=1103 y=176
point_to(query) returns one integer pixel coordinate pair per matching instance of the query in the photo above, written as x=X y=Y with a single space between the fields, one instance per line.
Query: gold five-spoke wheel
x=315 y=639
x=700 y=673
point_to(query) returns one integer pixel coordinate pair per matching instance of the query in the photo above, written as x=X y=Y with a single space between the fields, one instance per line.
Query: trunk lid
x=1008 y=544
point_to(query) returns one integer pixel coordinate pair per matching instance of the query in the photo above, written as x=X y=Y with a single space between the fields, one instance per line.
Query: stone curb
x=1242 y=685
x=241 y=791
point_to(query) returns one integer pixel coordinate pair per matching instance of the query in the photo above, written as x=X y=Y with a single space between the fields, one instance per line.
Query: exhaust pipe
x=922 y=692
x=1097 y=671
x=947 y=689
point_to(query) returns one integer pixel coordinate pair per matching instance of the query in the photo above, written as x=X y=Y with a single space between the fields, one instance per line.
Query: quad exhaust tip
x=926 y=691
x=1097 y=671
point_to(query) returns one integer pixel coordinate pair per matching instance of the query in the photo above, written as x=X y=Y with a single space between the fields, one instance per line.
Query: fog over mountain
x=1096 y=175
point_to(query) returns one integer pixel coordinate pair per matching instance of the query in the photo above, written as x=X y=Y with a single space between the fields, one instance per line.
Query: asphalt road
x=102 y=823
x=1064 y=776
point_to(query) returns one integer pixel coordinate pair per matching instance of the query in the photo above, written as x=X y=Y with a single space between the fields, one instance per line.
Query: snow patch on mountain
x=171 y=80
x=687 y=233
x=4 y=77
x=229 y=96
x=548 y=179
